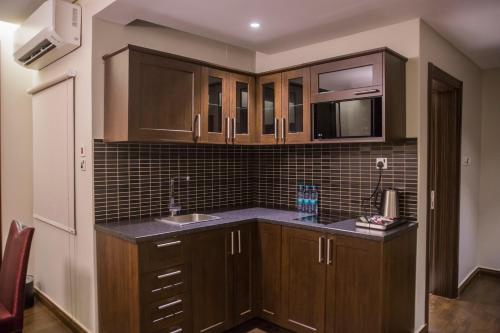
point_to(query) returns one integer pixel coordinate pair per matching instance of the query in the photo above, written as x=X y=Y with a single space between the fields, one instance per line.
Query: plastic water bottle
x=314 y=200
x=307 y=200
x=300 y=198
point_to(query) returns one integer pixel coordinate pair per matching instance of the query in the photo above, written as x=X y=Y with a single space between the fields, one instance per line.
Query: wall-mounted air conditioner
x=50 y=33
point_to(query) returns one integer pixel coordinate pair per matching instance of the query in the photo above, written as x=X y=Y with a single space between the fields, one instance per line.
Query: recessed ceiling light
x=255 y=25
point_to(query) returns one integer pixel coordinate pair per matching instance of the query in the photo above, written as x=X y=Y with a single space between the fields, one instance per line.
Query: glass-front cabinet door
x=269 y=109
x=215 y=106
x=351 y=78
x=295 y=115
x=242 y=114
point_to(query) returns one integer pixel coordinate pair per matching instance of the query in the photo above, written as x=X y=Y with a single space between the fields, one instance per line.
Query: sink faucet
x=173 y=208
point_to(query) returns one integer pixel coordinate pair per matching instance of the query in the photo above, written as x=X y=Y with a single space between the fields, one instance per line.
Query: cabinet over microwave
x=360 y=118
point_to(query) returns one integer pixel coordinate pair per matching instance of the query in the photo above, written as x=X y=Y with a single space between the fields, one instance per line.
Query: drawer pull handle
x=166 y=317
x=170 y=304
x=368 y=91
x=169 y=274
x=166 y=287
x=168 y=244
x=179 y=330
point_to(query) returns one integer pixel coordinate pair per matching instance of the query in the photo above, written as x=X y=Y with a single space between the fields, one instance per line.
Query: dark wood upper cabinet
x=215 y=107
x=347 y=79
x=242 y=108
x=269 y=108
x=210 y=281
x=242 y=266
x=303 y=280
x=151 y=98
x=295 y=113
x=268 y=258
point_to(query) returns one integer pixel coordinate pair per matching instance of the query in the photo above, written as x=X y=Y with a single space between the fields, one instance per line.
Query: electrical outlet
x=383 y=160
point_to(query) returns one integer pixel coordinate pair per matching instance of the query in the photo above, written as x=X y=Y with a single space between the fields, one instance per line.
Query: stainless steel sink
x=188 y=218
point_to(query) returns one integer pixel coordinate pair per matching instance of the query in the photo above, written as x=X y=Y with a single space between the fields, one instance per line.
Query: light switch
x=83 y=165
x=467 y=161
x=82 y=151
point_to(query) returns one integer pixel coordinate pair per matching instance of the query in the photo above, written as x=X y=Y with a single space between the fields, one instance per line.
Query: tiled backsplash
x=131 y=180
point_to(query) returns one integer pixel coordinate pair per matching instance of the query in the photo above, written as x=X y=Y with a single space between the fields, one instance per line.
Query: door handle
x=368 y=91
x=168 y=244
x=276 y=120
x=329 y=247
x=239 y=241
x=283 y=129
x=320 y=249
x=433 y=200
x=232 y=242
x=234 y=128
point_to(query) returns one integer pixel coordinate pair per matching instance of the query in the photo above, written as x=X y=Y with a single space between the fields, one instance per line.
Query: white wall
x=489 y=225
x=16 y=137
x=109 y=37
x=441 y=53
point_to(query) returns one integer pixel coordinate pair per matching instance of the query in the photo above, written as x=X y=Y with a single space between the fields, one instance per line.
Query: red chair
x=13 y=276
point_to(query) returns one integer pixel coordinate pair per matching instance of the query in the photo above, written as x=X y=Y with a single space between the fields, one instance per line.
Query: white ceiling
x=473 y=26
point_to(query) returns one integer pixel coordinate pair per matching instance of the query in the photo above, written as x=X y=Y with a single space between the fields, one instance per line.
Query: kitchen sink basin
x=188 y=218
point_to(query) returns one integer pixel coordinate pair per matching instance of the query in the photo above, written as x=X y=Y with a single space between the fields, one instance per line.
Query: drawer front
x=164 y=283
x=162 y=254
x=165 y=313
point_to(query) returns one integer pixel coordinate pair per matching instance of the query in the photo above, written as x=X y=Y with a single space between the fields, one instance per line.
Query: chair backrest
x=14 y=266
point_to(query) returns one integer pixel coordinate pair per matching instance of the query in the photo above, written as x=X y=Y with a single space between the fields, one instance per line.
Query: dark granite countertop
x=149 y=229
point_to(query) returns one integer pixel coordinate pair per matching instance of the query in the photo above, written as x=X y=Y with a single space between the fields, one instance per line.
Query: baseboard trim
x=474 y=273
x=59 y=313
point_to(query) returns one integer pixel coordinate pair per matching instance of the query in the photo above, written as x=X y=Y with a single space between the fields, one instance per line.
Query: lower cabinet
x=303 y=280
x=211 y=281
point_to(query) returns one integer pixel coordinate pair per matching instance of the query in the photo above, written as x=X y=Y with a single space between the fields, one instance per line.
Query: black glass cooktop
x=325 y=218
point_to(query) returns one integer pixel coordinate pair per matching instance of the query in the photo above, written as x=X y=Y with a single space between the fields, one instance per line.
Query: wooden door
x=445 y=93
x=242 y=96
x=295 y=114
x=268 y=259
x=215 y=125
x=242 y=273
x=210 y=281
x=351 y=78
x=268 y=108
x=303 y=280
x=164 y=99
x=354 y=295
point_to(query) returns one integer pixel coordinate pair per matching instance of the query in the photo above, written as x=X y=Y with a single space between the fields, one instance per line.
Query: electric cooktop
x=325 y=218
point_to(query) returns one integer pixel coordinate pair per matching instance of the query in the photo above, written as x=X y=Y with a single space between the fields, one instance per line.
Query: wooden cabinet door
x=268 y=260
x=303 y=280
x=242 y=100
x=210 y=281
x=215 y=115
x=352 y=78
x=164 y=99
x=243 y=273
x=295 y=115
x=268 y=108
x=354 y=296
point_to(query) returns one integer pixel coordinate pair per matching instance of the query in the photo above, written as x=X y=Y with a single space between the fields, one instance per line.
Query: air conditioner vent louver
x=38 y=51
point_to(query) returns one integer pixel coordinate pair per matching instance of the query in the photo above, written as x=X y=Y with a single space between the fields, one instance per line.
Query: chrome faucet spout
x=172 y=207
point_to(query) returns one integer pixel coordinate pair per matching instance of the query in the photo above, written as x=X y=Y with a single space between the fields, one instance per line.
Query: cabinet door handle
x=320 y=249
x=169 y=274
x=169 y=304
x=329 y=248
x=239 y=241
x=283 y=120
x=368 y=91
x=168 y=244
x=228 y=128
x=198 y=125
x=232 y=242
x=276 y=121
x=234 y=128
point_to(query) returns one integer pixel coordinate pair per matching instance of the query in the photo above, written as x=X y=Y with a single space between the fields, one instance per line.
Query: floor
x=476 y=311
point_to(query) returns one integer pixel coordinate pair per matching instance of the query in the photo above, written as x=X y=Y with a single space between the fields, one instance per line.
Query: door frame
x=435 y=73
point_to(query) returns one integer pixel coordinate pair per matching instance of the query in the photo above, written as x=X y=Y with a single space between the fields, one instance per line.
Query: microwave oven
x=359 y=118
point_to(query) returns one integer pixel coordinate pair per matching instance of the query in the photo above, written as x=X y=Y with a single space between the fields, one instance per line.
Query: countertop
x=137 y=231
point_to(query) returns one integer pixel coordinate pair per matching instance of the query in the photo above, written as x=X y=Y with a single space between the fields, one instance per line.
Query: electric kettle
x=389 y=205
